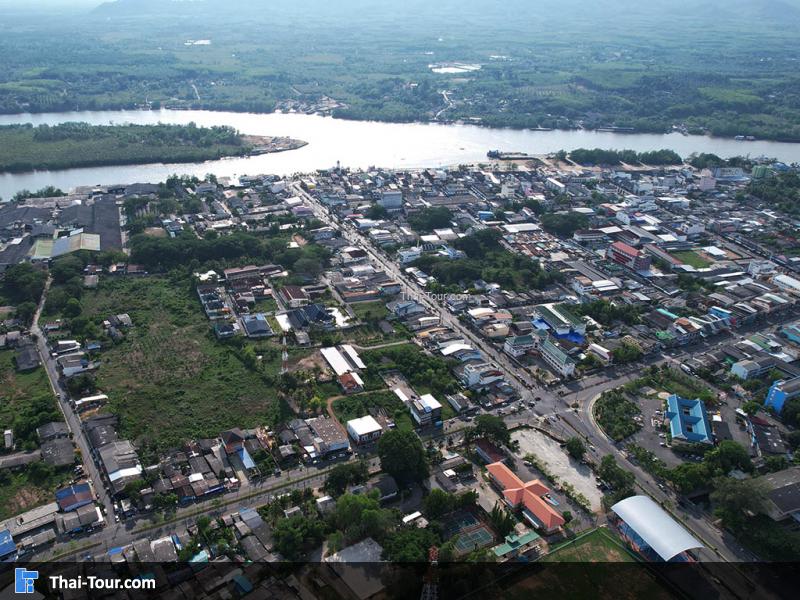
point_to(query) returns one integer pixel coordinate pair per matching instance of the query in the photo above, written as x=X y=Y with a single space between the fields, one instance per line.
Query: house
x=516 y=545
x=688 y=420
x=360 y=568
x=256 y=326
x=351 y=383
x=74 y=496
x=293 y=296
x=233 y=440
x=532 y=498
x=426 y=411
x=783 y=494
x=387 y=487
x=52 y=431
x=120 y=463
x=480 y=375
x=364 y=430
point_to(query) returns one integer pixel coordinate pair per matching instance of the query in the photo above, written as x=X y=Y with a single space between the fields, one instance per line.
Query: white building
x=364 y=430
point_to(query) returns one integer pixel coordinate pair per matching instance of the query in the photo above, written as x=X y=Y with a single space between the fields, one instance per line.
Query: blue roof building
x=781 y=392
x=688 y=420
x=8 y=549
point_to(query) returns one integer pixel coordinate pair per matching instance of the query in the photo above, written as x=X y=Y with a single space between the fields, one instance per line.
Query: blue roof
x=247 y=460
x=7 y=545
x=688 y=419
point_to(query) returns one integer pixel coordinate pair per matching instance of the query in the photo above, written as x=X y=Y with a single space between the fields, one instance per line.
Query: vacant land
x=359 y=405
x=691 y=258
x=170 y=380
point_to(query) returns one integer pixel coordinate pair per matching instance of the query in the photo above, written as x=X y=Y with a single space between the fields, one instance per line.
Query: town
x=531 y=358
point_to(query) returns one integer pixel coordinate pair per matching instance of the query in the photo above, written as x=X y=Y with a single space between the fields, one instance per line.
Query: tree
x=502 y=522
x=438 y=503
x=409 y=545
x=751 y=407
x=293 y=537
x=23 y=283
x=72 y=308
x=688 y=477
x=734 y=500
x=403 y=456
x=564 y=224
x=489 y=427
x=25 y=312
x=576 y=447
x=728 y=455
x=344 y=475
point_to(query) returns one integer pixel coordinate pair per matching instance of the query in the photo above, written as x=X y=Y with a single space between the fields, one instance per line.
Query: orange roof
x=528 y=494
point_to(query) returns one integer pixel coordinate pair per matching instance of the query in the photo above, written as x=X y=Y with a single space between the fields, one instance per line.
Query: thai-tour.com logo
x=414 y=297
x=24 y=580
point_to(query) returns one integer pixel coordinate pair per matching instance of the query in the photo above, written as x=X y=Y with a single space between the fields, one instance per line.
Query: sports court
x=470 y=532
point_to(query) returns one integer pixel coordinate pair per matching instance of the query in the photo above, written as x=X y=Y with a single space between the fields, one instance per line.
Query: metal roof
x=660 y=531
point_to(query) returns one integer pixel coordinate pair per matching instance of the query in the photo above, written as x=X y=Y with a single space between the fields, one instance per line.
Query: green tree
x=403 y=456
x=72 y=308
x=25 y=312
x=438 y=503
x=293 y=537
x=576 y=447
x=409 y=545
x=489 y=427
x=735 y=499
x=344 y=475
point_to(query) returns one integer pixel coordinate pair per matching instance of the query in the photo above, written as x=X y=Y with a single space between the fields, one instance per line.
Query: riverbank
x=25 y=148
x=354 y=144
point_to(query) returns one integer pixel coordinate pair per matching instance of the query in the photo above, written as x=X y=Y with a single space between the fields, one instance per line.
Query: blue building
x=792 y=332
x=781 y=392
x=8 y=549
x=688 y=420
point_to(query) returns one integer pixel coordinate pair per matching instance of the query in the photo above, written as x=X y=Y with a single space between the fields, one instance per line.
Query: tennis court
x=471 y=540
x=458 y=522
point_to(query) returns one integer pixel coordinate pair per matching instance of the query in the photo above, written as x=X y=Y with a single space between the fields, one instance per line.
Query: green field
x=598 y=546
x=170 y=380
x=691 y=258
x=358 y=405
x=26 y=402
x=370 y=312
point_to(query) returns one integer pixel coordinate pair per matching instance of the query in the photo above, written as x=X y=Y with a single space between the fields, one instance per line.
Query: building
x=628 y=256
x=688 y=420
x=256 y=326
x=328 y=439
x=391 y=199
x=426 y=411
x=517 y=545
x=532 y=498
x=783 y=494
x=74 y=496
x=781 y=392
x=651 y=531
x=120 y=463
x=519 y=345
x=481 y=375
x=364 y=430
x=293 y=296
x=554 y=356
x=749 y=369
x=360 y=567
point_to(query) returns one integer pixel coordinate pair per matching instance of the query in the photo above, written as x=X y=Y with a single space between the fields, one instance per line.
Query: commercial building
x=426 y=411
x=532 y=498
x=688 y=420
x=364 y=430
x=651 y=531
x=554 y=356
x=781 y=392
x=628 y=256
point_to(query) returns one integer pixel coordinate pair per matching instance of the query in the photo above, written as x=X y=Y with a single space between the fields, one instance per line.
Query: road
x=71 y=418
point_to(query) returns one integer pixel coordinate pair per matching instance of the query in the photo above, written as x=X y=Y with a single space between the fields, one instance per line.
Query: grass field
x=170 y=380
x=691 y=258
x=353 y=407
x=370 y=312
x=598 y=546
x=26 y=402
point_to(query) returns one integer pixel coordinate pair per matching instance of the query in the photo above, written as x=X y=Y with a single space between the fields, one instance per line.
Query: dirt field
x=559 y=463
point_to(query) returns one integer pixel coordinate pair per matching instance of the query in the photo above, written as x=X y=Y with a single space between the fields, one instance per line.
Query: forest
x=651 y=67
x=598 y=156
x=68 y=145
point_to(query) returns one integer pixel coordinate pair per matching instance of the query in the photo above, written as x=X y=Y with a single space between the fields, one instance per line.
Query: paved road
x=71 y=418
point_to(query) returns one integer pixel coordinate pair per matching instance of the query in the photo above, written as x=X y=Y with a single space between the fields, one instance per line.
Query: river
x=355 y=144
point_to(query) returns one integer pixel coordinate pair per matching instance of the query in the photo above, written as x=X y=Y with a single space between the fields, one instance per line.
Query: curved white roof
x=652 y=523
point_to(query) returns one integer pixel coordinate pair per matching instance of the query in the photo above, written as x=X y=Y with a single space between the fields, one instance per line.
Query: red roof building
x=529 y=497
x=629 y=256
